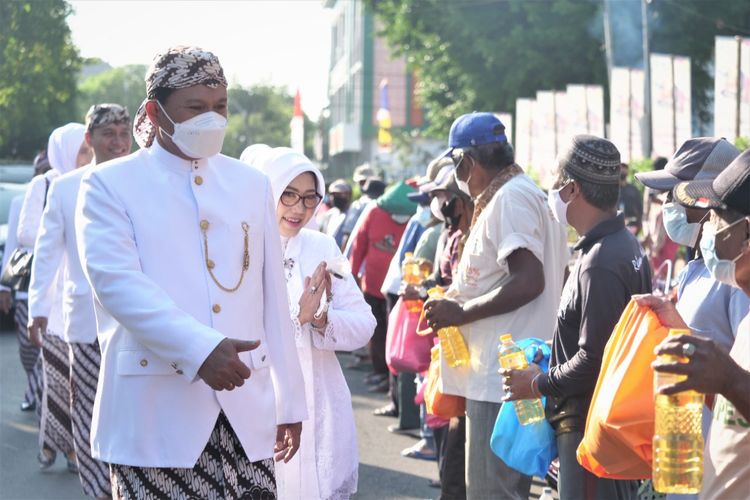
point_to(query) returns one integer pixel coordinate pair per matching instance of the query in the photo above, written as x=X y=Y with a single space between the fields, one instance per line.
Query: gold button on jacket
x=198 y=180
x=144 y=362
x=216 y=308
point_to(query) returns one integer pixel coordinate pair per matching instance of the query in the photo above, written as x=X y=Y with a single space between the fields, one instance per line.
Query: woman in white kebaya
x=329 y=314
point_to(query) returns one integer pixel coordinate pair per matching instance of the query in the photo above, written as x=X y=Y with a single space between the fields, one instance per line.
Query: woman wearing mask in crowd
x=329 y=314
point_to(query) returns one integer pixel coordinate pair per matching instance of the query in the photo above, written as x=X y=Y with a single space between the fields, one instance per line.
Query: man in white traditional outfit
x=108 y=135
x=200 y=383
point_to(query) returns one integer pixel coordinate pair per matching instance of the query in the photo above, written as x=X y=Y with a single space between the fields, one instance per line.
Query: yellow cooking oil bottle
x=512 y=357
x=678 y=441
x=452 y=343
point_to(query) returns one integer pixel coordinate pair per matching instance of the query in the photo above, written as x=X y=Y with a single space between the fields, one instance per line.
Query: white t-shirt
x=727 y=461
x=516 y=217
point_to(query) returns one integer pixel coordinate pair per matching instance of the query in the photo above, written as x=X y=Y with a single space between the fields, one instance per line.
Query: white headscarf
x=282 y=165
x=63 y=146
x=253 y=153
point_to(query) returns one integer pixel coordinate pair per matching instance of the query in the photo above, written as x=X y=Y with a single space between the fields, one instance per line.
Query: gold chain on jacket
x=211 y=264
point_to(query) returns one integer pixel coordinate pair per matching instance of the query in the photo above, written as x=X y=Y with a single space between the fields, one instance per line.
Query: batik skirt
x=223 y=471
x=55 y=431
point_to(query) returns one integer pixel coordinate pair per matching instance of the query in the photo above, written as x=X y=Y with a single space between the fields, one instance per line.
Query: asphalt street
x=383 y=473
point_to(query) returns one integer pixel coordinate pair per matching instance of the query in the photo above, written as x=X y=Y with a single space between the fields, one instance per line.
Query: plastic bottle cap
x=679 y=331
x=506 y=337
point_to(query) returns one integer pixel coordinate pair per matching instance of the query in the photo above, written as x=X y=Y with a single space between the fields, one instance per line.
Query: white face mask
x=722 y=270
x=679 y=230
x=558 y=206
x=423 y=215
x=201 y=136
x=435 y=205
x=462 y=185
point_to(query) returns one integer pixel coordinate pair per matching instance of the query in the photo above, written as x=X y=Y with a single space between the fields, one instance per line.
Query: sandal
x=388 y=410
x=46 y=460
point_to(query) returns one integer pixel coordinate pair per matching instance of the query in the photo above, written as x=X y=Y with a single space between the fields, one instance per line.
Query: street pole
x=646 y=81
x=608 y=42
x=738 y=97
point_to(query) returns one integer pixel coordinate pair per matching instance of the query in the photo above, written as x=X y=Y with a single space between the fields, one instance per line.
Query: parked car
x=16 y=173
x=13 y=182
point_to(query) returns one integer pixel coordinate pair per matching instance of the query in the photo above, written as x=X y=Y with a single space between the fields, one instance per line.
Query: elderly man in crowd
x=181 y=248
x=509 y=280
x=725 y=245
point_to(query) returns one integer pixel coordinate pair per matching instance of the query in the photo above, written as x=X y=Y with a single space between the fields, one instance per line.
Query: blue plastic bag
x=528 y=449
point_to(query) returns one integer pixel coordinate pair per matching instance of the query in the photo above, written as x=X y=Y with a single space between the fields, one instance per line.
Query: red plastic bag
x=620 y=424
x=405 y=351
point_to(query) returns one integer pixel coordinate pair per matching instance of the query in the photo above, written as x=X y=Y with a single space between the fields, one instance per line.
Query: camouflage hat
x=100 y=115
x=177 y=68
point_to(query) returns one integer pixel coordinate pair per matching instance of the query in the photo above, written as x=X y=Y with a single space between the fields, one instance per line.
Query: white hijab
x=63 y=146
x=282 y=165
x=252 y=154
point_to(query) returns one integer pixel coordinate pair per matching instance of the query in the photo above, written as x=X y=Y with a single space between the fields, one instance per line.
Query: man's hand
x=517 y=383
x=5 y=301
x=37 y=326
x=223 y=369
x=409 y=291
x=441 y=313
x=665 y=310
x=709 y=369
x=287 y=441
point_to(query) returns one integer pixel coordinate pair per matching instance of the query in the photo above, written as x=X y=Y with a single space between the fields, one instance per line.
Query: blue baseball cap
x=475 y=129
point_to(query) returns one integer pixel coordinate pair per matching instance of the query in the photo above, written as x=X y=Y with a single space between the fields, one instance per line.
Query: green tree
x=123 y=85
x=38 y=69
x=261 y=114
x=485 y=54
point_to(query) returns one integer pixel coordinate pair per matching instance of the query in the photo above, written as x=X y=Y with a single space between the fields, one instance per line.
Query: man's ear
x=152 y=111
x=87 y=137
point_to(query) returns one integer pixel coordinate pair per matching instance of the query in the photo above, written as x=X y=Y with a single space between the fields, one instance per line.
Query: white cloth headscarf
x=253 y=153
x=282 y=165
x=63 y=146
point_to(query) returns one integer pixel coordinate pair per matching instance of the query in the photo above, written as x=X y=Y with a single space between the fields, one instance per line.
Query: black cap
x=731 y=189
x=700 y=158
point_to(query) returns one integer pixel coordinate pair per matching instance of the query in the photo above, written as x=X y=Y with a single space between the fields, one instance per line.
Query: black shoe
x=388 y=410
x=26 y=406
x=396 y=429
x=375 y=378
x=380 y=387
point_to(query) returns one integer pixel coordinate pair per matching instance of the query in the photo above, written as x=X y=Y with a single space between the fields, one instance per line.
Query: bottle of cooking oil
x=411 y=273
x=512 y=357
x=452 y=342
x=678 y=441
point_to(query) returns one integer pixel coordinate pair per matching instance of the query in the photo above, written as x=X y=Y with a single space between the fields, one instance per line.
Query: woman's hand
x=315 y=286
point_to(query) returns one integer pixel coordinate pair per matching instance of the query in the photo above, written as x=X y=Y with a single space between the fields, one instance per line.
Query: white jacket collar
x=171 y=161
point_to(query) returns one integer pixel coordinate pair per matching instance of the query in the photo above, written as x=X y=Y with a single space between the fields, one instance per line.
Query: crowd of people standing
x=180 y=328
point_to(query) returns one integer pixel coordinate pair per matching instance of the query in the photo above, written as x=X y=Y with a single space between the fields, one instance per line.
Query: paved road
x=383 y=473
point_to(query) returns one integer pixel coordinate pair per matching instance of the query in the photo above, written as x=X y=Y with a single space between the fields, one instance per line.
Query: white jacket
x=160 y=314
x=29 y=224
x=56 y=250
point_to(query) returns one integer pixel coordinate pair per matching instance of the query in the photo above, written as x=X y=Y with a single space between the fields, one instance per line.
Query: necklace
x=210 y=265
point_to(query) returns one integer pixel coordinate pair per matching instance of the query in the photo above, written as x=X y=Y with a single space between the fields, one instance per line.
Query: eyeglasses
x=290 y=198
